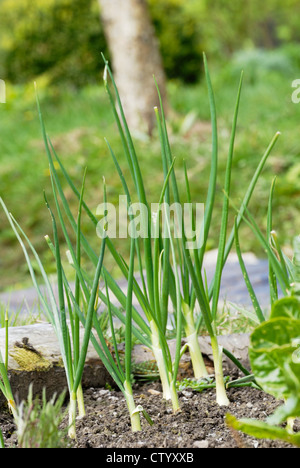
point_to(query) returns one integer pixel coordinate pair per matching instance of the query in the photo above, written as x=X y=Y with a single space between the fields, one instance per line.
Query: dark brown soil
x=200 y=424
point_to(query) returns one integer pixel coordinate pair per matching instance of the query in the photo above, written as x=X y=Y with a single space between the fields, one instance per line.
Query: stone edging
x=44 y=367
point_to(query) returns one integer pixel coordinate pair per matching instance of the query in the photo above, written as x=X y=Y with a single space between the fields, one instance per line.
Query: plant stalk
x=174 y=396
x=80 y=402
x=12 y=408
x=72 y=415
x=134 y=415
x=157 y=351
x=199 y=368
x=217 y=350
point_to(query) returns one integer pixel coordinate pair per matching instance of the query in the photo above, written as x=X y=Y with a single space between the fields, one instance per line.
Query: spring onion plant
x=167 y=267
x=192 y=260
x=85 y=298
x=152 y=334
x=80 y=305
x=72 y=355
x=110 y=359
x=192 y=286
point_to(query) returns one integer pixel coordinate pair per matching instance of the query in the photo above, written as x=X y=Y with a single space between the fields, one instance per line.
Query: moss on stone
x=29 y=361
x=59 y=363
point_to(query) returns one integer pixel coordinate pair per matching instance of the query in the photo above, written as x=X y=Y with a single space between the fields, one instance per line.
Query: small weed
x=38 y=422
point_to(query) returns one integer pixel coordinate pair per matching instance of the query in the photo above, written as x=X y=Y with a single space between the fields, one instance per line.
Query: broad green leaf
x=274 y=356
x=262 y=430
x=290 y=410
x=288 y=307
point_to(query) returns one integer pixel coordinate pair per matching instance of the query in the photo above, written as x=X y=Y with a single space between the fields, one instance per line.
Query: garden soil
x=199 y=424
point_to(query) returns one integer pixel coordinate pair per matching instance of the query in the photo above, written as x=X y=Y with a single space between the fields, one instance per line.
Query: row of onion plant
x=75 y=307
x=169 y=269
x=160 y=280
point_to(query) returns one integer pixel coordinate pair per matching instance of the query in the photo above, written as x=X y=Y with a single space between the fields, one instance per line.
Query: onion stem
x=198 y=365
x=134 y=415
x=217 y=350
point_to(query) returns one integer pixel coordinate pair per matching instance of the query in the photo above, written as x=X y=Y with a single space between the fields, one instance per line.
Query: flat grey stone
x=44 y=369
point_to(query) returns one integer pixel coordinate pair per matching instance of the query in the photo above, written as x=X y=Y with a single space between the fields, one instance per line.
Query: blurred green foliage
x=180 y=38
x=61 y=37
x=59 y=42
x=64 y=38
x=230 y=26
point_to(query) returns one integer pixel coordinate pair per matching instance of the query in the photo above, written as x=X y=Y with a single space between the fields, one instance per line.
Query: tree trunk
x=135 y=59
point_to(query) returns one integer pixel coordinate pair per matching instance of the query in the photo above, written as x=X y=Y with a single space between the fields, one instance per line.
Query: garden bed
x=200 y=424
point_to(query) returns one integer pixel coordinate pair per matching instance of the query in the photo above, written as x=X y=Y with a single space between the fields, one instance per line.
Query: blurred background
x=58 y=44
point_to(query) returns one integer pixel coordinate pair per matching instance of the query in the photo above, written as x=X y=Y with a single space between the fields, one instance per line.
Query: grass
x=19 y=317
x=79 y=135
x=38 y=422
